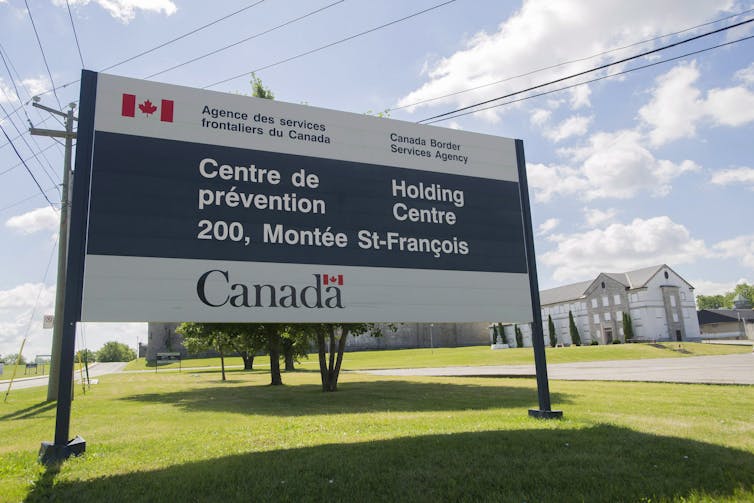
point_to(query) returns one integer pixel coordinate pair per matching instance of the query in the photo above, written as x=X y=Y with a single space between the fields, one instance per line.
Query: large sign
x=206 y=206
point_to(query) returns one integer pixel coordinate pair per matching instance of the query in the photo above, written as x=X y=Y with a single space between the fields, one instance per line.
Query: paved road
x=726 y=369
x=95 y=370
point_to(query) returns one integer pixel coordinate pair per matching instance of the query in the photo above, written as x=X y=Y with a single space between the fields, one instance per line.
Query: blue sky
x=653 y=166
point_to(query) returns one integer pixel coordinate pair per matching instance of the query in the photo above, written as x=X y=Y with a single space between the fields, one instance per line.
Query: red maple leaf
x=147 y=107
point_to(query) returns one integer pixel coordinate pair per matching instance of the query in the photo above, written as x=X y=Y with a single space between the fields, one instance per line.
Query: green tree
x=711 y=302
x=628 y=327
x=115 y=352
x=551 y=329
x=258 y=90
x=725 y=301
x=198 y=337
x=332 y=337
x=519 y=336
x=12 y=359
x=573 y=330
x=295 y=341
x=85 y=356
x=246 y=339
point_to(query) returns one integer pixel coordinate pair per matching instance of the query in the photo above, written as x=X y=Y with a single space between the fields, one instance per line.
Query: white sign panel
x=206 y=206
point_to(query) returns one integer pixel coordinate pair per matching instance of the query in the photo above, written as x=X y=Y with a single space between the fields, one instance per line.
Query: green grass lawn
x=481 y=355
x=190 y=437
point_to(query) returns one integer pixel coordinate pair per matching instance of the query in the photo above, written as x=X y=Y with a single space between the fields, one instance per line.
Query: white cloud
x=580 y=97
x=746 y=75
x=677 y=106
x=543 y=33
x=735 y=176
x=706 y=287
x=622 y=247
x=548 y=225
x=16 y=307
x=125 y=10
x=36 y=85
x=595 y=217
x=741 y=248
x=576 y=125
x=610 y=165
x=34 y=221
x=540 y=116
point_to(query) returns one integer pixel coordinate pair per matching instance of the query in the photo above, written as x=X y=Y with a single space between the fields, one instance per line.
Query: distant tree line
x=725 y=301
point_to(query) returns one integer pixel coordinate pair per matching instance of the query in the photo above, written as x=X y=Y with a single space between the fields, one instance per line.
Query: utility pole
x=57 y=329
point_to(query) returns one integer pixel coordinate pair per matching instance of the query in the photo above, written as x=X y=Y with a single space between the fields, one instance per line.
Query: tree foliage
x=12 y=359
x=725 y=301
x=519 y=336
x=115 y=352
x=331 y=337
x=198 y=337
x=573 y=330
x=628 y=327
x=258 y=90
x=86 y=356
x=551 y=330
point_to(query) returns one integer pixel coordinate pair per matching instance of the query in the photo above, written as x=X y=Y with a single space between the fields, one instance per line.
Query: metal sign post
x=540 y=362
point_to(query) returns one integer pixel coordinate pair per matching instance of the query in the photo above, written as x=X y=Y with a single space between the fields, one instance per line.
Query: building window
x=618 y=315
x=607 y=316
x=635 y=314
x=675 y=317
x=605 y=301
x=616 y=299
x=672 y=300
x=683 y=295
x=620 y=330
x=603 y=284
x=594 y=303
x=685 y=313
x=596 y=319
x=634 y=297
x=666 y=275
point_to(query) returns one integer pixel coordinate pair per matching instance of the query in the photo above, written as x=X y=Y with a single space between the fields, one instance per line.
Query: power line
x=195 y=30
x=245 y=39
x=44 y=58
x=312 y=51
x=578 y=60
x=591 y=70
x=9 y=63
x=8 y=170
x=75 y=35
x=26 y=166
x=159 y=46
x=20 y=135
x=610 y=76
x=12 y=205
x=33 y=153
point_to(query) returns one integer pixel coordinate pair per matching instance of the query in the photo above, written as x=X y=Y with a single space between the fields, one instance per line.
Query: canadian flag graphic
x=332 y=280
x=129 y=106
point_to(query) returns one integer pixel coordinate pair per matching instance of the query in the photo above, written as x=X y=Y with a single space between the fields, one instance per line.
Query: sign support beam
x=540 y=362
x=52 y=453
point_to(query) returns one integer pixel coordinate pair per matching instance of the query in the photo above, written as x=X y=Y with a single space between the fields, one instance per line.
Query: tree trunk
x=322 y=359
x=248 y=360
x=288 y=355
x=274 y=338
x=222 y=364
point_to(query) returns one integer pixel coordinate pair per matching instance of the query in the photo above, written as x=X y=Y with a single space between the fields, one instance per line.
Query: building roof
x=724 y=315
x=631 y=280
x=563 y=293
